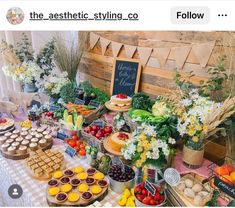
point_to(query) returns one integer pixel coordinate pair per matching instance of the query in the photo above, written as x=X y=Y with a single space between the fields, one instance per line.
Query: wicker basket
x=133 y=125
x=95 y=114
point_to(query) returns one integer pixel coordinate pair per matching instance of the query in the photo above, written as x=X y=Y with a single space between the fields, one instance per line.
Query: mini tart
x=39 y=136
x=87 y=195
x=13 y=136
x=66 y=188
x=82 y=176
x=15 y=144
x=25 y=142
x=61 y=197
x=9 y=141
x=53 y=191
x=78 y=169
x=40 y=130
x=42 y=143
x=8 y=134
x=83 y=187
x=96 y=189
x=5 y=146
x=34 y=140
x=2 y=139
x=98 y=176
x=33 y=146
x=28 y=137
x=52 y=182
x=91 y=171
x=33 y=133
x=102 y=183
x=22 y=150
x=68 y=173
x=46 y=132
x=48 y=138
x=11 y=150
x=16 y=131
x=24 y=133
x=19 y=139
x=57 y=174
x=90 y=181
x=75 y=182
x=65 y=180
x=73 y=197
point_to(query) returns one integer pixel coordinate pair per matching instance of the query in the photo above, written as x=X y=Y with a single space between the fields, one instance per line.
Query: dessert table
x=34 y=191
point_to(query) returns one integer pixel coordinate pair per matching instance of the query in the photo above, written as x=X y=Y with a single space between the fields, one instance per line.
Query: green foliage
x=193 y=145
x=68 y=92
x=160 y=162
x=24 y=49
x=45 y=57
x=213 y=201
x=142 y=101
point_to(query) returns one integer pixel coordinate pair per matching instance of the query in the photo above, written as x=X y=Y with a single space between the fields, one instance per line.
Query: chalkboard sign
x=151 y=189
x=94 y=104
x=70 y=151
x=226 y=188
x=125 y=77
x=61 y=135
x=99 y=123
x=79 y=101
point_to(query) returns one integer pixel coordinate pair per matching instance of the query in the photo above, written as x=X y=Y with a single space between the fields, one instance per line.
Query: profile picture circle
x=15 y=15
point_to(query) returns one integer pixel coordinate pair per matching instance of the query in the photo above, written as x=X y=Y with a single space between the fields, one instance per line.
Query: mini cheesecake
x=13 y=136
x=38 y=136
x=34 y=140
x=16 y=132
x=8 y=134
x=25 y=142
x=5 y=146
x=33 y=133
x=24 y=129
x=9 y=141
x=46 y=133
x=48 y=138
x=33 y=146
x=24 y=134
x=28 y=137
x=40 y=130
x=22 y=150
x=15 y=144
x=42 y=142
x=19 y=139
x=11 y=150
x=2 y=139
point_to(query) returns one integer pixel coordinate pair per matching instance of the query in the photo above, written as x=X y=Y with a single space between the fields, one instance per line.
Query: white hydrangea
x=149 y=130
x=171 y=140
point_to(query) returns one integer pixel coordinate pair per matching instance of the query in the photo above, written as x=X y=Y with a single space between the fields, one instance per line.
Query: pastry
x=28 y=137
x=38 y=136
x=66 y=188
x=118 y=140
x=78 y=169
x=25 y=142
x=61 y=197
x=33 y=133
x=9 y=141
x=24 y=133
x=11 y=150
x=48 y=138
x=98 y=176
x=6 y=124
x=8 y=134
x=53 y=191
x=42 y=143
x=82 y=176
x=5 y=146
x=33 y=146
x=52 y=182
x=15 y=144
x=47 y=132
x=58 y=174
x=3 y=139
x=83 y=187
x=34 y=140
x=24 y=129
x=73 y=197
x=121 y=100
x=90 y=181
x=96 y=189
x=102 y=183
x=65 y=180
x=87 y=195
x=22 y=150
x=19 y=139
x=75 y=182
x=33 y=129
x=16 y=132
x=91 y=171
x=13 y=136
x=68 y=173
x=40 y=130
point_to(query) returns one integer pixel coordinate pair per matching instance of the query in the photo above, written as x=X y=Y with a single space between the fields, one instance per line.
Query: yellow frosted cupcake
x=73 y=197
x=96 y=189
x=82 y=176
x=83 y=187
x=78 y=169
x=58 y=174
x=98 y=176
x=53 y=191
x=66 y=188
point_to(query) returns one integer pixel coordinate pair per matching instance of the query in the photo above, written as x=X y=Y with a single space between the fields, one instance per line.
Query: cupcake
x=33 y=129
x=46 y=132
x=16 y=132
x=22 y=150
x=25 y=142
x=15 y=144
x=5 y=146
x=39 y=136
x=40 y=130
x=42 y=143
x=33 y=133
x=11 y=150
x=48 y=138
x=24 y=129
x=28 y=137
x=19 y=139
x=9 y=141
x=34 y=140
x=24 y=134
x=13 y=136
x=2 y=139
x=8 y=134
x=33 y=146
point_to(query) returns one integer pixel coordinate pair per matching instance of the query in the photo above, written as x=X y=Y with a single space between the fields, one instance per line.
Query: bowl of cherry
x=121 y=178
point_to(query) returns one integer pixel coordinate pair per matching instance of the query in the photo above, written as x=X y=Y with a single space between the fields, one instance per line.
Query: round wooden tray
x=107 y=147
x=81 y=202
x=115 y=108
x=19 y=156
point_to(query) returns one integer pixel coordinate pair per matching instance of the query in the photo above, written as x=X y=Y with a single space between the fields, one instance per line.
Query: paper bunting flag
x=161 y=54
x=180 y=55
x=130 y=50
x=144 y=54
x=203 y=52
x=93 y=39
x=115 y=48
x=104 y=44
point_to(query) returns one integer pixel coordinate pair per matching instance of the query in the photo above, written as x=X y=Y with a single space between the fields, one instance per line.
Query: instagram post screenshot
x=117 y=103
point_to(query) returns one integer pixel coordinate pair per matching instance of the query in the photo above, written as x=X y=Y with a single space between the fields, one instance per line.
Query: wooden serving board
x=51 y=200
x=20 y=156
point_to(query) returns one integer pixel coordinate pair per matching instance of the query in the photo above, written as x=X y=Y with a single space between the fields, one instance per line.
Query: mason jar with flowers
x=199 y=118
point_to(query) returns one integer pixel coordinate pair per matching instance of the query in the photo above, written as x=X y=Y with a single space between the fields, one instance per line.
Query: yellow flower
x=138 y=163
x=198 y=127
x=139 y=149
x=195 y=139
x=153 y=139
x=191 y=132
x=143 y=156
x=205 y=128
